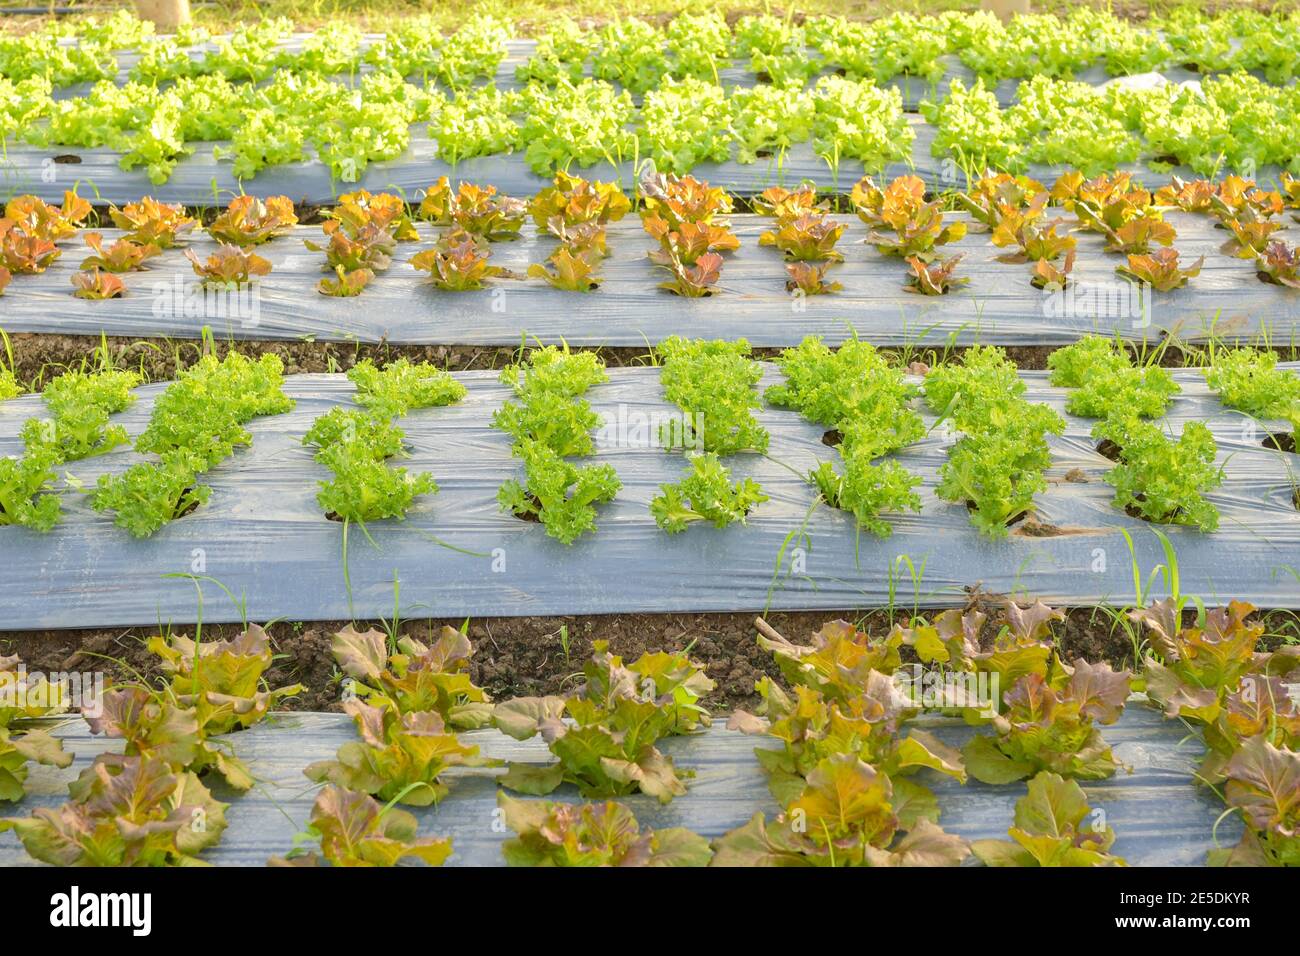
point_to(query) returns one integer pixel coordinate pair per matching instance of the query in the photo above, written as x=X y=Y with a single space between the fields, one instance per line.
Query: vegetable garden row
x=1016 y=263
x=563 y=488
x=862 y=762
x=637 y=54
x=287 y=122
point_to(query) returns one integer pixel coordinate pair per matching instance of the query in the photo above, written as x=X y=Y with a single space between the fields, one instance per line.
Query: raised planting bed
x=263 y=534
x=1159 y=816
x=400 y=306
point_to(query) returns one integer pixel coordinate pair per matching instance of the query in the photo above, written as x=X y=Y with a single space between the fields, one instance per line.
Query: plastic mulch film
x=200 y=180
x=264 y=537
x=1226 y=300
x=736 y=72
x=1160 y=817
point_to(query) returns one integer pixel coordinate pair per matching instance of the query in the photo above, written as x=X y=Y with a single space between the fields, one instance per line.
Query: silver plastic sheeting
x=1226 y=300
x=201 y=180
x=264 y=537
x=733 y=72
x=1160 y=817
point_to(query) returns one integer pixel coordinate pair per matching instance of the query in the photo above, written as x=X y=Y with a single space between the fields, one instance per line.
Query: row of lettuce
x=997 y=456
x=1233 y=122
x=689 y=221
x=638 y=54
x=841 y=751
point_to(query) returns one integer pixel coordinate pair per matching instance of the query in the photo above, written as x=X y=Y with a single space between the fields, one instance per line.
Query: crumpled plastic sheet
x=1160 y=817
x=264 y=537
x=1226 y=300
x=200 y=180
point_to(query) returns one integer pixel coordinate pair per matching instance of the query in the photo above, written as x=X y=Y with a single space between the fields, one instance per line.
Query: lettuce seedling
x=808 y=238
x=222 y=680
x=195 y=424
x=601 y=834
x=150 y=494
x=1195 y=196
x=1264 y=787
x=705 y=494
x=152 y=223
x=549 y=424
x=902 y=223
x=156 y=727
x=786 y=205
x=693 y=281
x=27 y=700
x=558 y=493
x=355 y=447
x=689 y=242
x=125 y=255
x=867 y=490
x=808 y=278
x=1050 y=277
x=230 y=267
x=399 y=757
x=607 y=747
x=475 y=210
x=249 y=221
x=1160 y=270
x=714 y=381
x=568 y=271
x=1194 y=669
x=1161 y=479
x=935 y=278
x=458 y=263
x=1260 y=707
x=683 y=199
x=844 y=816
x=353 y=829
x=1048 y=723
x=1054 y=826
x=1279 y=264
x=1035 y=240
x=361 y=212
x=1136 y=236
x=370 y=247
x=1104 y=383
x=586 y=239
x=418 y=677
x=24 y=254
x=995 y=195
x=125 y=811
x=39 y=220
x=345 y=284
x=402 y=386
x=577 y=201
x=96 y=285
x=1250 y=238
x=1250 y=381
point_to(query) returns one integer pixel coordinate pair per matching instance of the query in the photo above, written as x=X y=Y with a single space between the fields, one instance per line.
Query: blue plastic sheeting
x=264 y=536
x=1159 y=816
x=401 y=306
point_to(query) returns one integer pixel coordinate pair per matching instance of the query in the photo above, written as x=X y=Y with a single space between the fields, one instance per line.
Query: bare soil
x=38 y=357
x=527 y=656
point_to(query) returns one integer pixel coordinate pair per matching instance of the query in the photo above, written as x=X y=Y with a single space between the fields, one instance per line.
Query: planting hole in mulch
x=68 y=159
x=832 y=438
x=1280 y=441
x=1011 y=522
x=1108 y=449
